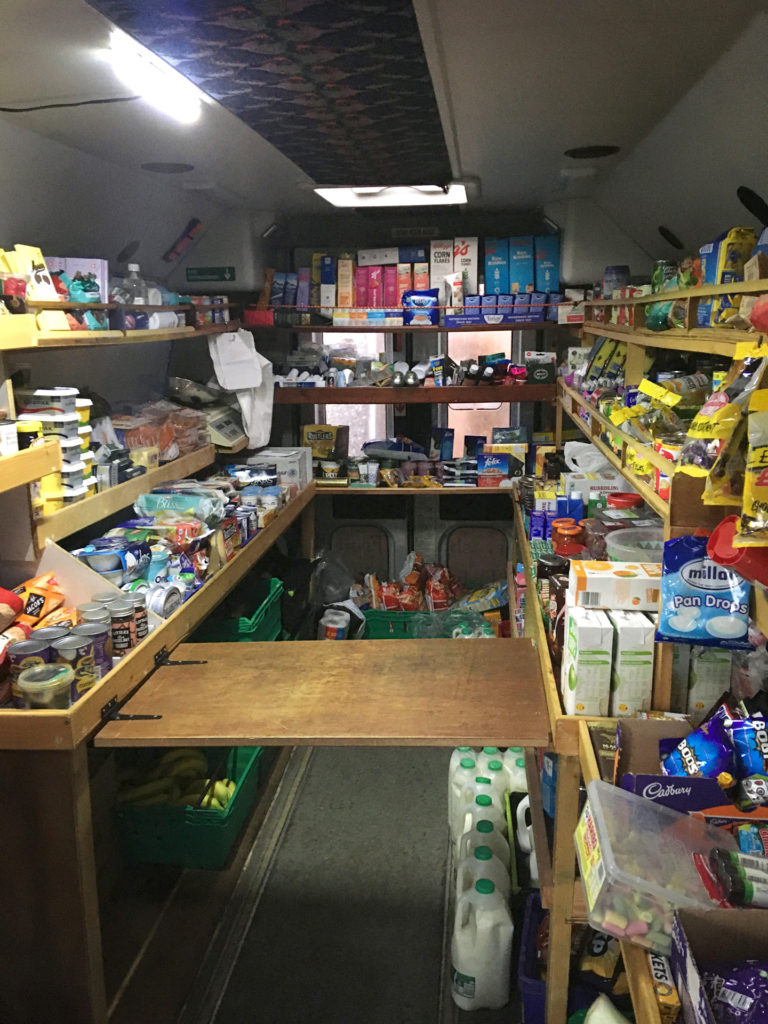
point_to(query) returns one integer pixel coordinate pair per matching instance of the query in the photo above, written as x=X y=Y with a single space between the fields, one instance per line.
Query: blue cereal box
x=520 y=264
x=547 y=263
x=496 y=266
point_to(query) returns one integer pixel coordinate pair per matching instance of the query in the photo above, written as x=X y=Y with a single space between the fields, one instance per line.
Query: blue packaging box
x=549 y=518
x=412 y=254
x=530 y=307
x=497 y=266
x=489 y=463
x=472 y=302
x=441 y=444
x=546 y=258
x=327 y=270
x=538 y=526
x=553 y=299
x=520 y=264
x=505 y=302
x=488 y=304
x=473 y=445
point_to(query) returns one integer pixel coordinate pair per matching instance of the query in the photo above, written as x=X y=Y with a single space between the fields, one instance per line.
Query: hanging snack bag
x=717 y=419
x=753 y=525
x=701 y=602
x=725 y=483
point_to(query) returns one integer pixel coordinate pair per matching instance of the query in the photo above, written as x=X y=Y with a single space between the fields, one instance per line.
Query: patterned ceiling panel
x=341 y=88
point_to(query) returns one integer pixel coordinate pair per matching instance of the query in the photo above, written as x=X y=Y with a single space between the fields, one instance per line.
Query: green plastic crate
x=266 y=623
x=386 y=625
x=188 y=836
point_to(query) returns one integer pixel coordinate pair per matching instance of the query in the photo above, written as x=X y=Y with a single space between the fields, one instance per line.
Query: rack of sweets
x=27 y=466
x=561 y=891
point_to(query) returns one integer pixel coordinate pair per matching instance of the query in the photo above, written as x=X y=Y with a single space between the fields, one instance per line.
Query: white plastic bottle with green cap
x=514 y=765
x=482 y=863
x=464 y=773
x=496 y=772
x=474 y=786
x=487 y=754
x=481 y=949
x=485 y=833
x=456 y=756
x=483 y=806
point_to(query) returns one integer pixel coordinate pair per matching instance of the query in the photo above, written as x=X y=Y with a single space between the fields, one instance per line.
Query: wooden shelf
x=29 y=465
x=570 y=399
x=65 y=730
x=417 y=492
x=51 y=304
x=713 y=340
x=91 y=510
x=292 y=702
x=534 y=325
x=540 y=836
x=418 y=395
x=735 y=288
x=24 y=335
x=640 y=985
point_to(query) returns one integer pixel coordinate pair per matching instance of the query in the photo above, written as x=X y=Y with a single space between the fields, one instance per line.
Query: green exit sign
x=197 y=275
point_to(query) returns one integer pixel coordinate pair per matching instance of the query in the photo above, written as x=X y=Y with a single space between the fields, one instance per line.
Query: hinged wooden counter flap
x=351 y=693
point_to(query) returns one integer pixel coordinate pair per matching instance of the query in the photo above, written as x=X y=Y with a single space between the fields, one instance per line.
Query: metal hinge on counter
x=163 y=659
x=111 y=712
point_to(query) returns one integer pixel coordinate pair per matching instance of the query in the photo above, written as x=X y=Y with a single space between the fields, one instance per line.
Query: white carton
x=633 y=586
x=585 y=681
x=604 y=482
x=465 y=260
x=632 y=673
x=294 y=465
x=709 y=676
x=440 y=264
x=377 y=257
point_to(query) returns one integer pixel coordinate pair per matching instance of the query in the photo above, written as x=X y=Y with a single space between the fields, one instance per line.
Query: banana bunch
x=177 y=779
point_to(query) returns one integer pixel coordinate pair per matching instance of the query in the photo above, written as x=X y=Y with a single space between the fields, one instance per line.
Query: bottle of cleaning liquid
x=464 y=773
x=514 y=765
x=134 y=287
x=482 y=863
x=524 y=833
x=457 y=754
x=481 y=807
x=481 y=949
x=487 y=754
x=485 y=833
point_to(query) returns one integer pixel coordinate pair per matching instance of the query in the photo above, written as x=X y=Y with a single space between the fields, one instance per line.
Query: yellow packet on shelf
x=752 y=530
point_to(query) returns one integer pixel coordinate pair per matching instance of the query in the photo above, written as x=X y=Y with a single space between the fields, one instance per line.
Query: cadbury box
x=638 y=772
x=705 y=940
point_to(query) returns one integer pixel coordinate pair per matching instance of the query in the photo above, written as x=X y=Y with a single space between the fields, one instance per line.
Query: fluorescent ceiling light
x=396 y=195
x=155 y=81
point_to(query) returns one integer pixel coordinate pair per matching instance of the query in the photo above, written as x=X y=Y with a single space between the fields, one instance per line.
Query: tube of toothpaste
x=701 y=602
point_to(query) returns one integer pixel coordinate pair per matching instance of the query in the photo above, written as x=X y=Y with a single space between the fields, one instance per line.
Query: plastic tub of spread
x=50 y=503
x=73 y=494
x=47 y=400
x=50 y=484
x=84 y=432
x=624 y=499
x=46 y=687
x=83 y=409
x=90 y=485
x=27 y=432
x=637 y=861
x=87 y=459
x=54 y=424
x=72 y=474
x=640 y=545
x=70 y=449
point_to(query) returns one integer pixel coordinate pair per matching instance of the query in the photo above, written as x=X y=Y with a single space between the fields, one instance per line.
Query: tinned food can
x=23 y=655
x=78 y=652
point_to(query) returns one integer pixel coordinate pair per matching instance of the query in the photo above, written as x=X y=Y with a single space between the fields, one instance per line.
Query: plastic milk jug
x=495 y=771
x=514 y=765
x=456 y=757
x=484 y=833
x=481 y=807
x=524 y=832
x=464 y=773
x=482 y=863
x=487 y=754
x=481 y=949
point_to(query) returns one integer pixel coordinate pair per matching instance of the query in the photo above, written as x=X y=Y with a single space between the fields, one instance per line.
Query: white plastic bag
x=583 y=457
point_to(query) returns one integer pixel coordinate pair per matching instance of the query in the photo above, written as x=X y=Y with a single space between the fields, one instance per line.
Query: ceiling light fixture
x=155 y=81
x=395 y=195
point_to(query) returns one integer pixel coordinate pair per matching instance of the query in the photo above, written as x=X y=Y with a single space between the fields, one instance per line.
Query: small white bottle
x=514 y=765
x=485 y=833
x=482 y=863
x=481 y=949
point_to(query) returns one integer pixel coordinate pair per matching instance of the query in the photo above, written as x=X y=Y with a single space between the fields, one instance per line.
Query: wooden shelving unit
x=417 y=395
x=29 y=465
x=19 y=331
x=416 y=492
x=721 y=342
x=91 y=510
x=366 y=328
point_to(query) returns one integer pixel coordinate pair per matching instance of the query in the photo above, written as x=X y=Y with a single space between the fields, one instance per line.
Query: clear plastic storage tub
x=635 y=545
x=638 y=862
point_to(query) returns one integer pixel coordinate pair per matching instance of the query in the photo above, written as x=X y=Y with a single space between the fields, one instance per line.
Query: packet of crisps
x=40 y=596
x=753 y=525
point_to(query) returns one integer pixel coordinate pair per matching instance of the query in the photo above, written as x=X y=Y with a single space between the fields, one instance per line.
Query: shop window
x=477 y=417
x=476 y=554
x=365 y=422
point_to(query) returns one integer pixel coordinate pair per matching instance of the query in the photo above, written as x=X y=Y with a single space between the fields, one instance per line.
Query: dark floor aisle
x=349 y=927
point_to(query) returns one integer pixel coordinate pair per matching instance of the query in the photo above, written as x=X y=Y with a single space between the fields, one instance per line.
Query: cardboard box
x=521 y=264
x=327 y=285
x=361 y=286
x=440 y=264
x=404 y=281
x=375 y=287
x=377 y=257
x=497 y=266
x=633 y=586
x=441 y=443
x=315 y=276
x=302 y=289
x=465 y=261
x=391 y=294
x=494 y=468
x=632 y=671
x=412 y=254
x=605 y=482
x=294 y=465
x=420 y=276
x=702 y=939
x=74 y=265
x=585 y=680
x=547 y=263
x=540 y=367
x=345 y=288
x=473 y=445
